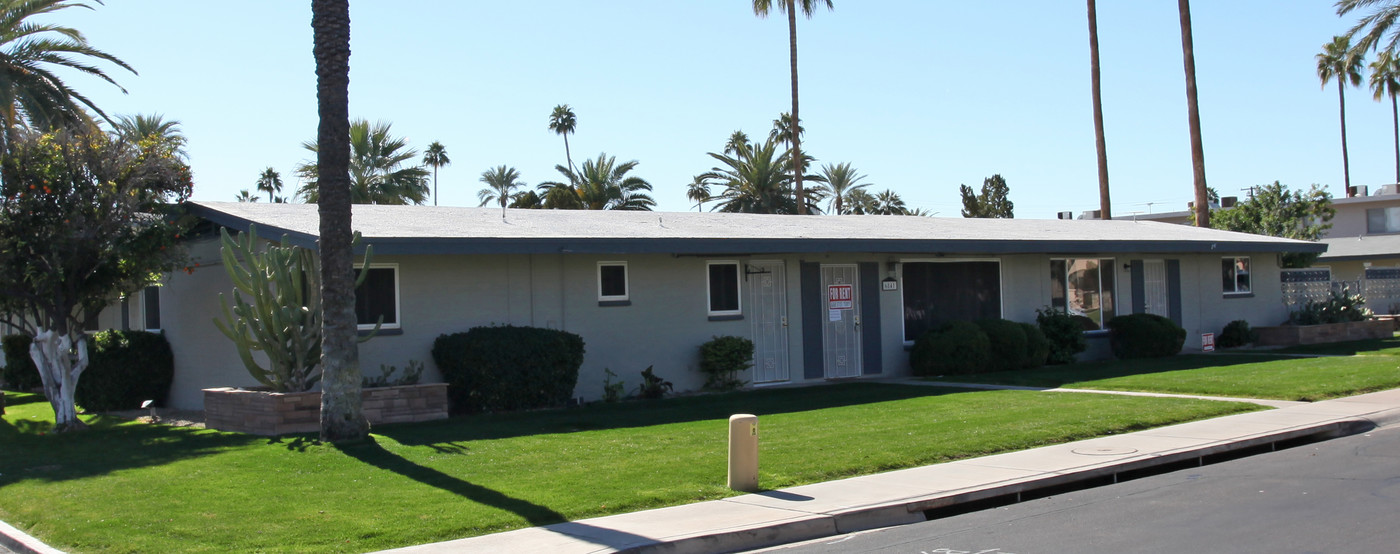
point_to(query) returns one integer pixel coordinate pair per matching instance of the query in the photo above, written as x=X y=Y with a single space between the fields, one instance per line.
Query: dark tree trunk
x=796 y=121
x=1099 y=143
x=341 y=417
x=1193 y=116
x=1395 y=119
x=1342 y=101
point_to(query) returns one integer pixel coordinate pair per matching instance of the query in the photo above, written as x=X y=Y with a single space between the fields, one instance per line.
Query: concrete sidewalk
x=912 y=495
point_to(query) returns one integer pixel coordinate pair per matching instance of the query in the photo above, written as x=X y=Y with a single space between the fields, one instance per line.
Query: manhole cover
x=1105 y=451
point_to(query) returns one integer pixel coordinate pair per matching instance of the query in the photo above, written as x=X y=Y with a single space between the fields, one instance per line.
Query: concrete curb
x=22 y=543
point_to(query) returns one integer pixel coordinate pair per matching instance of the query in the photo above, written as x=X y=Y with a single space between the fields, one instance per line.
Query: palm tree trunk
x=1395 y=117
x=1193 y=116
x=569 y=158
x=341 y=416
x=1346 y=164
x=435 y=184
x=796 y=121
x=1099 y=144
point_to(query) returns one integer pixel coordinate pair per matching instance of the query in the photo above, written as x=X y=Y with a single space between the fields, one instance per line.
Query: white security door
x=841 y=327
x=767 y=307
x=1154 y=287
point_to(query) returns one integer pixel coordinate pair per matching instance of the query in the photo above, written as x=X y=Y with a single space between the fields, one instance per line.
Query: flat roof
x=454 y=230
x=1361 y=248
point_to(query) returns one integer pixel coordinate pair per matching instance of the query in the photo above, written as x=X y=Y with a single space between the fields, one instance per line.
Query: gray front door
x=841 y=326
x=767 y=307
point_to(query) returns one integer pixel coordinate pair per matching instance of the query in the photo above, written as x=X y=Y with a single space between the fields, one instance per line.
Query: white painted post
x=743 y=452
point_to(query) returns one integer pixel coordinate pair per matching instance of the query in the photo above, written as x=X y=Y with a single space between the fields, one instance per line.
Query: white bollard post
x=743 y=452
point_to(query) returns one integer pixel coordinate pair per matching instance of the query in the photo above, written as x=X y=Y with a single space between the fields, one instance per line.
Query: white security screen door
x=767 y=307
x=1154 y=287
x=841 y=321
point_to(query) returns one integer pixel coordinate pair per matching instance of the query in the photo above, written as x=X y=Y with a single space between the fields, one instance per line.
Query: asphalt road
x=1336 y=496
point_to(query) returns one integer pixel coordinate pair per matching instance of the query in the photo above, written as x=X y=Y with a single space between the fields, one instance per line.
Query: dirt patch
x=164 y=416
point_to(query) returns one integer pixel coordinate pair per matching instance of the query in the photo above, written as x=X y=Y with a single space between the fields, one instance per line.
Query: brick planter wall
x=266 y=413
x=1289 y=335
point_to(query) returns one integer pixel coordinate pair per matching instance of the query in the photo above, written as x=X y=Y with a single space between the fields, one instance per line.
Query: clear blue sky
x=919 y=95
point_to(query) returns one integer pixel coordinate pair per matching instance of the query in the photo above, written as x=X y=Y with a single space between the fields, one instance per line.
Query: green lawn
x=130 y=487
x=1372 y=347
x=1245 y=375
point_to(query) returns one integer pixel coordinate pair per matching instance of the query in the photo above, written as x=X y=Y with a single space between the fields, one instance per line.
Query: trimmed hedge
x=1007 y=343
x=954 y=348
x=1037 y=346
x=722 y=359
x=125 y=368
x=1065 y=333
x=1145 y=336
x=20 y=373
x=504 y=368
x=1236 y=333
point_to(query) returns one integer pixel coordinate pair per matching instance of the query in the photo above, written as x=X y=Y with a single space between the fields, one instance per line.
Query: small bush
x=722 y=358
x=492 y=369
x=1037 y=346
x=954 y=348
x=612 y=392
x=1008 y=344
x=1340 y=307
x=1145 y=336
x=125 y=368
x=1236 y=333
x=413 y=371
x=653 y=387
x=1064 y=332
x=20 y=373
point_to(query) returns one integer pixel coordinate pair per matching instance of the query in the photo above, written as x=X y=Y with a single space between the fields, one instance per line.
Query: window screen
x=150 y=307
x=936 y=293
x=376 y=297
x=724 y=287
x=612 y=281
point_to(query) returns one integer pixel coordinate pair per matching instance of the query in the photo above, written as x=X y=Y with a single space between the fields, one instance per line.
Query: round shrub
x=954 y=348
x=1037 y=346
x=125 y=368
x=1145 y=336
x=721 y=360
x=1065 y=333
x=1007 y=342
x=20 y=373
x=1236 y=333
x=504 y=368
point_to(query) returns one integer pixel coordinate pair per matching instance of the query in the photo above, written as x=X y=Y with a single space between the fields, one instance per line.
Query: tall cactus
x=282 y=314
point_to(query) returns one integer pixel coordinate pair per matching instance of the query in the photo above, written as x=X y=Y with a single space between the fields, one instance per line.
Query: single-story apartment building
x=822 y=297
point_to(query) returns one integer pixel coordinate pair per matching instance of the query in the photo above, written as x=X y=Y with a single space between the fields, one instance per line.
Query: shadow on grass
x=371 y=452
x=1066 y=375
x=14 y=399
x=446 y=435
x=1387 y=346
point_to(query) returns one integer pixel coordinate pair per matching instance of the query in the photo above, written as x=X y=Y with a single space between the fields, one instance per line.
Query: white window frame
x=738 y=288
x=1248 y=273
x=398 y=304
x=626 y=283
x=143 y=317
x=1001 y=285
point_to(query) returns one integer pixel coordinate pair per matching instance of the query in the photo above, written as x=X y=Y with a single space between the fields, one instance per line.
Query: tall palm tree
x=1100 y=146
x=501 y=182
x=342 y=418
x=271 y=183
x=889 y=203
x=1339 y=61
x=861 y=202
x=1384 y=20
x=757 y=183
x=783 y=129
x=762 y=8
x=841 y=181
x=245 y=196
x=31 y=56
x=601 y=184
x=1193 y=117
x=737 y=144
x=698 y=191
x=165 y=133
x=1385 y=81
x=562 y=121
x=378 y=174
x=436 y=156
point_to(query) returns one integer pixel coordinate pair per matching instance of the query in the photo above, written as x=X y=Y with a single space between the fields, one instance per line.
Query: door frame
x=780 y=331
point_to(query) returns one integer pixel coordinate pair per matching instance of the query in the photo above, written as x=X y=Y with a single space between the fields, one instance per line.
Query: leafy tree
x=1377 y=25
x=1100 y=146
x=76 y=232
x=500 y=181
x=527 y=200
x=155 y=128
x=992 y=202
x=698 y=191
x=1339 y=61
x=840 y=181
x=1385 y=81
x=762 y=8
x=31 y=56
x=1275 y=211
x=342 y=416
x=756 y=182
x=245 y=196
x=1193 y=115
x=600 y=184
x=270 y=181
x=377 y=171
x=436 y=156
x=563 y=122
